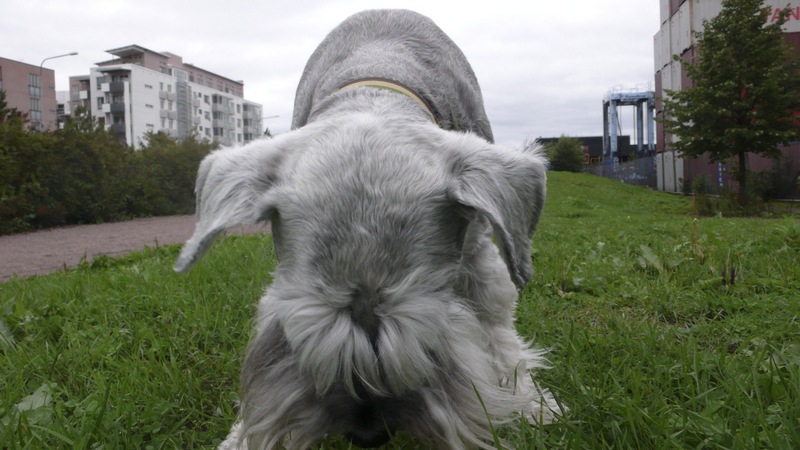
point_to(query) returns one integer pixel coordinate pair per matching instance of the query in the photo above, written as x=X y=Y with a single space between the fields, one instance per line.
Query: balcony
x=196 y=103
x=171 y=133
x=162 y=95
x=118 y=128
x=196 y=120
x=117 y=108
x=220 y=107
x=116 y=86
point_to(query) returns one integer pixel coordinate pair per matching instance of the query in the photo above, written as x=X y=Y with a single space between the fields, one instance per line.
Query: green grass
x=654 y=344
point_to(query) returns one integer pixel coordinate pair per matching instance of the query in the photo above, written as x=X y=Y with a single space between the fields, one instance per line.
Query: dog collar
x=389 y=85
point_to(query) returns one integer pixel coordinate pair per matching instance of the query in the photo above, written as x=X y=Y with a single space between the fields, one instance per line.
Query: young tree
x=746 y=90
x=566 y=154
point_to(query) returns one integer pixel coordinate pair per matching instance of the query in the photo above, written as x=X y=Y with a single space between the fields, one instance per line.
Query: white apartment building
x=146 y=91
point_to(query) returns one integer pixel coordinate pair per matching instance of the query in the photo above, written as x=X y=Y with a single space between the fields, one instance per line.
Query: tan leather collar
x=382 y=83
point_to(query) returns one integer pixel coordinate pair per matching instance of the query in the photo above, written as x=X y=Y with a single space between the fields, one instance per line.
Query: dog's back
x=401 y=46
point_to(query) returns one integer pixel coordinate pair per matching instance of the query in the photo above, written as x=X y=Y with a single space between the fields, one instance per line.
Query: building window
x=148 y=106
x=238 y=109
x=208 y=83
x=150 y=125
x=75 y=88
x=239 y=136
x=34 y=85
x=169 y=88
x=161 y=86
x=162 y=104
x=169 y=106
x=171 y=124
x=163 y=123
x=207 y=116
x=100 y=101
x=239 y=123
x=205 y=100
x=147 y=86
x=208 y=131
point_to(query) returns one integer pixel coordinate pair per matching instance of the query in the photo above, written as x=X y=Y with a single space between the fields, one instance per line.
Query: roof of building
x=129 y=50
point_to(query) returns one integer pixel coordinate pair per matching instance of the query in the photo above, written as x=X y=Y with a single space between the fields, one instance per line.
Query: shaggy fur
x=390 y=306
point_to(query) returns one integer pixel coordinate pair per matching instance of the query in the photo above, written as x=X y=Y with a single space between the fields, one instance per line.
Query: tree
x=746 y=90
x=9 y=115
x=566 y=154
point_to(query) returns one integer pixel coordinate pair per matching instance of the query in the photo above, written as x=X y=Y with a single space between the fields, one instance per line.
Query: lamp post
x=41 y=80
x=265 y=118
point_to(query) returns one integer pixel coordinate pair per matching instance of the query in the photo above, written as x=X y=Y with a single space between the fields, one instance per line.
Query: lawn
x=665 y=330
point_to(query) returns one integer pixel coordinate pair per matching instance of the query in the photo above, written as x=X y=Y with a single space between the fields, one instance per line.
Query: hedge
x=83 y=174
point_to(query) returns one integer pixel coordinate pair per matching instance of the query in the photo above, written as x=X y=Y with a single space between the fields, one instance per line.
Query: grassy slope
x=650 y=348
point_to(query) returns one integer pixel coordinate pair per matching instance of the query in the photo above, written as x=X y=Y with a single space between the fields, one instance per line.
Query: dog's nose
x=369 y=438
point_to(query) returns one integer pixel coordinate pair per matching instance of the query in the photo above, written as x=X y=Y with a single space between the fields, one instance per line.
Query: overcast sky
x=543 y=66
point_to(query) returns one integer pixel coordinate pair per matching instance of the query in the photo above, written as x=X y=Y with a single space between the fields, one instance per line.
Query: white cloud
x=543 y=68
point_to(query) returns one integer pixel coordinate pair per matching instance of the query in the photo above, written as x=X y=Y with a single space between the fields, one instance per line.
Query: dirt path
x=43 y=252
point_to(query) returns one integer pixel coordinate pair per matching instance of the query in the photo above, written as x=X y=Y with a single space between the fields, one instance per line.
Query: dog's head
x=372 y=220
x=380 y=200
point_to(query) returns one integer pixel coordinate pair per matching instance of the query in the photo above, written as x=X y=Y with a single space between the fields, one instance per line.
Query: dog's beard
x=430 y=366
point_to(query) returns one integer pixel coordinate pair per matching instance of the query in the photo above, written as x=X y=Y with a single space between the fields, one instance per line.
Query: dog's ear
x=235 y=187
x=508 y=187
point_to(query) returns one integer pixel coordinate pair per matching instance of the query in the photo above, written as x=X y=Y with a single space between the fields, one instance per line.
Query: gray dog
x=391 y=307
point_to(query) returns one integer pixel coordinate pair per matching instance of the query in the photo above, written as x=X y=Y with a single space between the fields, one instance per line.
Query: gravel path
x=47 y=251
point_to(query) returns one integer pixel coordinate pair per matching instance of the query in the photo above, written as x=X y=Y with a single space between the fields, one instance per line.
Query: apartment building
x=30 y=89
x=144 y=91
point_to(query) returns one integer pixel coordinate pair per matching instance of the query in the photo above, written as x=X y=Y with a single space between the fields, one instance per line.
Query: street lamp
x=41 y=79
x=265 y=118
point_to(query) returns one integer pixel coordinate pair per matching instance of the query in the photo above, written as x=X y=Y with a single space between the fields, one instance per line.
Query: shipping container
x=689 y=57
x=659 y=93
x=657 y=52
x=666 y=80
x=674 y=6
x=685 y=28
x=675 y=35
x=669 y=170
x=792 y=25
x=676 y=72
x=720 y=174
x=703 y=10
x=794 y=39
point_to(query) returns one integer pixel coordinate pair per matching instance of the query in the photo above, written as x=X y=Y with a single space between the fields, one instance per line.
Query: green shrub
x=83 y=174
x=566 y=155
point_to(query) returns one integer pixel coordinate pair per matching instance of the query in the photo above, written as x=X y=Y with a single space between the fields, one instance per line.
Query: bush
x=164 y=172
x=83 y=174
x=773 y=184
x=566 y=155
